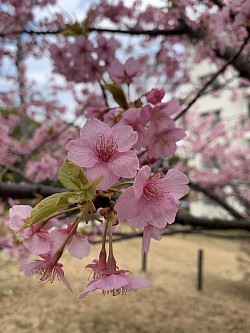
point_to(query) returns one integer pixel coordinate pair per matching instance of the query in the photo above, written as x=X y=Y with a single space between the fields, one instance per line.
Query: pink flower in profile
x=105 y=151
x=48 y=267
x=152 y=201
x=154 y=96
x=34 y=238
x=116 y=284
x=77 y=245
x=124 y=73
x=109 y=279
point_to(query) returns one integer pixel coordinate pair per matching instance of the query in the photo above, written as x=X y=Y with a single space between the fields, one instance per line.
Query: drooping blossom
x=48 y=267
x=34 y=238
x=116 y=284
x=105 y=151
x=152 y=201
x=111 y=280
x=77 y=245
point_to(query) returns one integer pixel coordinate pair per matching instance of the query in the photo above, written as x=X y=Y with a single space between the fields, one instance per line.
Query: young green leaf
x=46 y=207
x=72 y=176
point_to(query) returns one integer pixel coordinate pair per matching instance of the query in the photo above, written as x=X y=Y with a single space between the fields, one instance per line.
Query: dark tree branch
x=26 y=191
x=231 y=60
x=196 y=225
x=219 y=3
x=16 y=171
x=242 y=65
x=219 y=200
x=212 y=224
x=133 y=32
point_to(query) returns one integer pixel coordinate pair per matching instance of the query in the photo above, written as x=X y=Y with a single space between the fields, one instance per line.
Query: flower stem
x=105 y=236
x=59 y=252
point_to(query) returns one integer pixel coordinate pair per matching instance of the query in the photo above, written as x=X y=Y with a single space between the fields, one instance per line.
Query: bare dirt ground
x=171 y=305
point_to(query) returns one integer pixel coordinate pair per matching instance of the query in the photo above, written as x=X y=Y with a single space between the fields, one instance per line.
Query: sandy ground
x=172 y=304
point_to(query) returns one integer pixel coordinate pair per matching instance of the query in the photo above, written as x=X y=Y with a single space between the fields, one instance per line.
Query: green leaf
x=87 y=193
x=73 y=29
x=90 y=189
x=46 y=207
x=72 y=176
x=173 y=160
x=117 y=93
x=77 y=29
x=85 y=27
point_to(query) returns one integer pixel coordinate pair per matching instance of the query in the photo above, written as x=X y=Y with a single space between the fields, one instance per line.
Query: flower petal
x=127 y=205
x=137 y=222
x=78 y=247
x=146 y=238
x=90 y=287
x=141 y=179
x=81 y=154
x=60 y=274
x=111 y=282
x=18 y=214
x=29 y=267
x=176 y=134
x=124 y=164
x=124 y=137
x=137 y=282
x=175 y=183
x=163 y=216
x=93 y=129
x=146 y=210
x=38 y=243
x=57 y=238
x=101 y=169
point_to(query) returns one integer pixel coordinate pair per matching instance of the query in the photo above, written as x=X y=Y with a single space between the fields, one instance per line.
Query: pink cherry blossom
x=34 y=238
x=48 y=267
x=116 y=284
x=160 y=115
x=152 y=200
x=105 y=151
x=137 y=118
x=110 y=279
x=163 y=142
x=154 y=96
x=124 y=73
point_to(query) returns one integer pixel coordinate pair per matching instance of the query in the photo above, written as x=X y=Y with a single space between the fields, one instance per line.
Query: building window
x=216 y=117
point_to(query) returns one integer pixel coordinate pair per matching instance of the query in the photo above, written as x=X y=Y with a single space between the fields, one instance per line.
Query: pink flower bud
x=155 y=96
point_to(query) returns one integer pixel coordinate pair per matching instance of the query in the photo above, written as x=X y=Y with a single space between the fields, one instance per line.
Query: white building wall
x=230 y=110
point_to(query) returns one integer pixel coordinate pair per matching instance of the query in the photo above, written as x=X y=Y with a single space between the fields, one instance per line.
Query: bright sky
x=39 y=69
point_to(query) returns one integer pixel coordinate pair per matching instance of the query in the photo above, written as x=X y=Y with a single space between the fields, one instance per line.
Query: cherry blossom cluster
x=111 y=172
x=98 y=164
